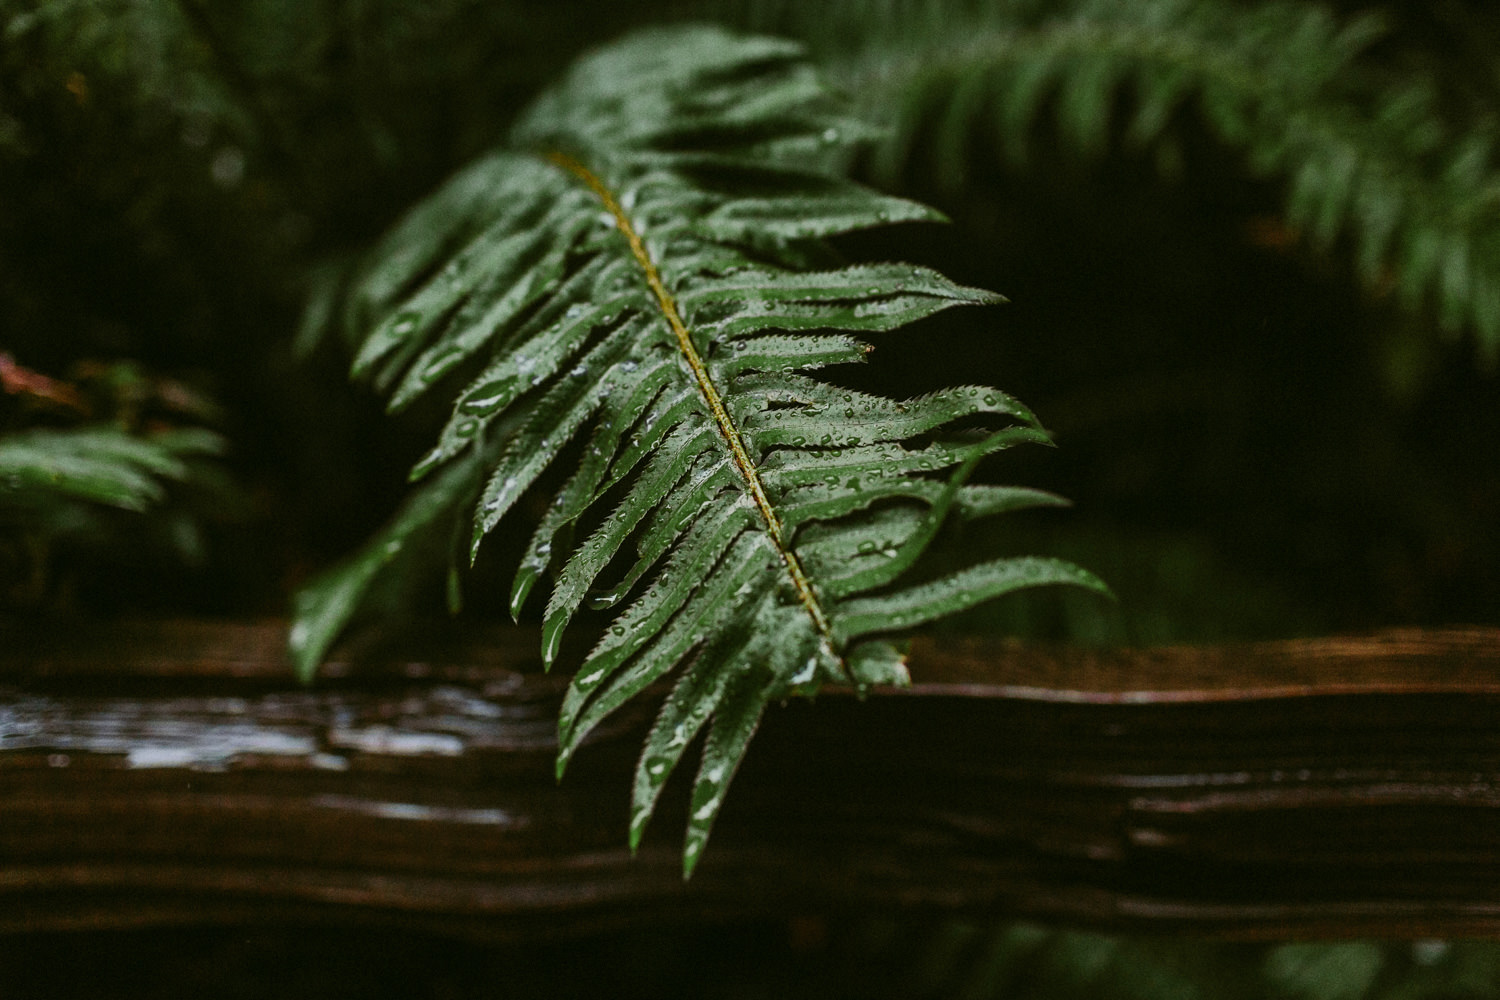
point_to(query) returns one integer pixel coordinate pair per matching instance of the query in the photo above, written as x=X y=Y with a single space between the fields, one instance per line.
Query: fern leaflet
x=644 y=271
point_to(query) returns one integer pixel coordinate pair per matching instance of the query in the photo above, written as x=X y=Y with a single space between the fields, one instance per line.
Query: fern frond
x=41 y=469
x=643 y=270
x=1365 y=155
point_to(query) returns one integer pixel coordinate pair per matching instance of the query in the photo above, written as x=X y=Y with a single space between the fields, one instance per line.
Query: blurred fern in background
x=1393 y=159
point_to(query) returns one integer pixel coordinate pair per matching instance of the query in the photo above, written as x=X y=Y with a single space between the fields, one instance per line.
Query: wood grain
x=160 y=773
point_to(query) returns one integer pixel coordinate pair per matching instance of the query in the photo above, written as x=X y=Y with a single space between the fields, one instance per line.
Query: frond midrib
x=712 y=398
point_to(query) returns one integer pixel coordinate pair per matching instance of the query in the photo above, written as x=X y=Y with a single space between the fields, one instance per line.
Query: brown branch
x=173 y=772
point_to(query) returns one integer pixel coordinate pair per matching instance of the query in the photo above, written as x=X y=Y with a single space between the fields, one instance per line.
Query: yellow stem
x=710 y=392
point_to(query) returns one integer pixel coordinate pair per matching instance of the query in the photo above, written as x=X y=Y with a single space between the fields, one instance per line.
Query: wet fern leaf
x=641 y=275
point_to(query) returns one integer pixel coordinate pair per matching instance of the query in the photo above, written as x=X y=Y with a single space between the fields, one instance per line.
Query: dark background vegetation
x=1256 y=443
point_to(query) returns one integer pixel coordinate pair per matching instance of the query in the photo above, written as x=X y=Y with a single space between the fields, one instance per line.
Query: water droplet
x=809 y=669
x=406 y=322
x=551 y=643
x=830 y=134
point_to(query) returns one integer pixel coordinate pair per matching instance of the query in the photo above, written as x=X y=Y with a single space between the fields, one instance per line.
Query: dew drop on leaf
x=809 y=669
x=406 y=322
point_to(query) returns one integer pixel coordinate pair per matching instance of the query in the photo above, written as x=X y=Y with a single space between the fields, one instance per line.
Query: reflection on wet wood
x=172 y=772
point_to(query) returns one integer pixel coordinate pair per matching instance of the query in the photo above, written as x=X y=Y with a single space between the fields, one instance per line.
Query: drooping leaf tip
x=520 y=589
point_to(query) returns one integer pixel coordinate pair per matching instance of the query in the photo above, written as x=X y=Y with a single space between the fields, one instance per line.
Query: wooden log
x=173 y=772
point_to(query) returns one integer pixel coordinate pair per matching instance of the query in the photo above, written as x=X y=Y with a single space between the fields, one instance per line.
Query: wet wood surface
x=168 y=773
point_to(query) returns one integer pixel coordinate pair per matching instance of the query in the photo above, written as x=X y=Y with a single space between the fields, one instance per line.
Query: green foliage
x=174 y=168
x=968 y=962
x=43 y=471
x=645 y=270
x=1384 y=159
x=77 y=458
